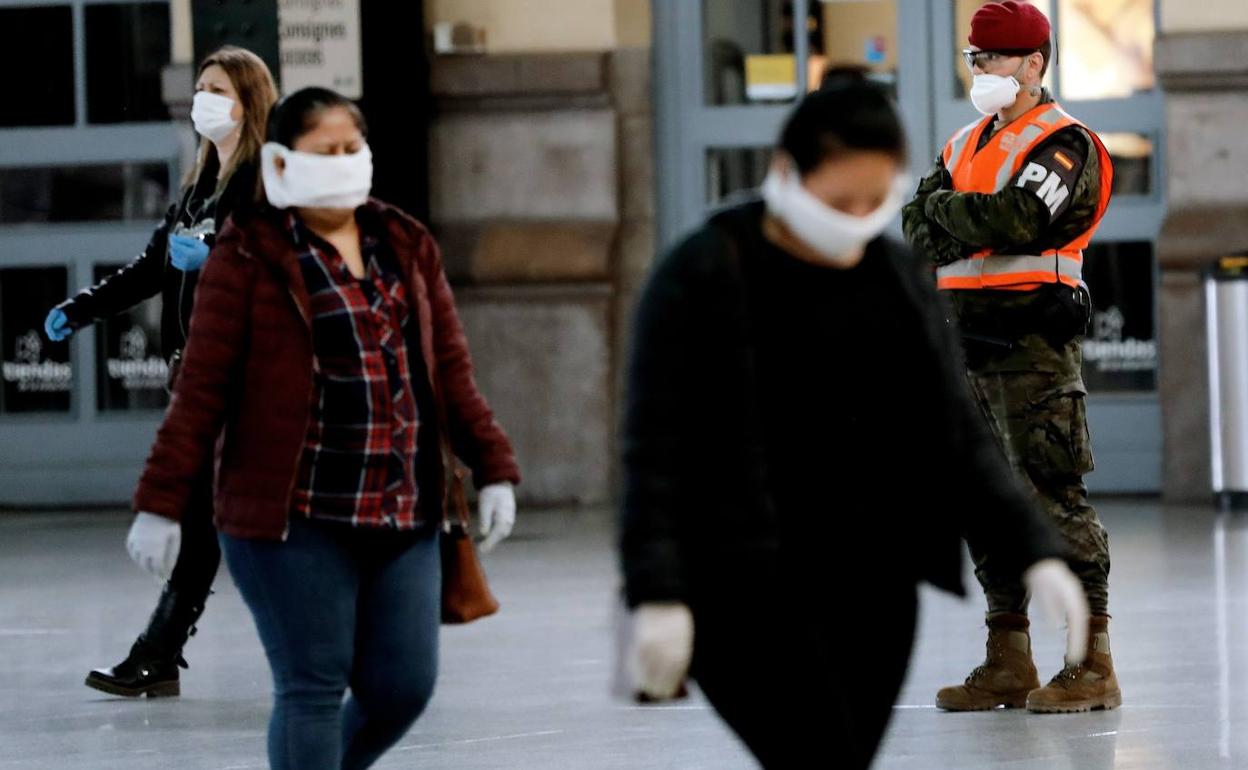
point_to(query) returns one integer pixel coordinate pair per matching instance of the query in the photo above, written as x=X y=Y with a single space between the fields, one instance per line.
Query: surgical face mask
x=310 y=180
x=992 y=93
x=211 y=115
x=834 y=235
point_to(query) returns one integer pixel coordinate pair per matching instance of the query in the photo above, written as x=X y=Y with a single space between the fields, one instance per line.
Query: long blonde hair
x=257 y=93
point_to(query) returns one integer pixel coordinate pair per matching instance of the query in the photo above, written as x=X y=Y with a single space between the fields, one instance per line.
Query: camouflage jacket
x=948 y=226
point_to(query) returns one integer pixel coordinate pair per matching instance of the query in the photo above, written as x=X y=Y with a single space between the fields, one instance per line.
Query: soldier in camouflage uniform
x=1023 y=327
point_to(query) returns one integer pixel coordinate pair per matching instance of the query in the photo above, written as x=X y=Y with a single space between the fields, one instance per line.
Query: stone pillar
x=1205 y=74
x=631 y=94
x=540 y=191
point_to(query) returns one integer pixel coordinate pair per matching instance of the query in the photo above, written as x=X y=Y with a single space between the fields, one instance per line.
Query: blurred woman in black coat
x=800 y=450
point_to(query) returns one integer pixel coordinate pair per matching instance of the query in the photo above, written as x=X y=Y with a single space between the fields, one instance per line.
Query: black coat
x=150 y=272
x=701 y=515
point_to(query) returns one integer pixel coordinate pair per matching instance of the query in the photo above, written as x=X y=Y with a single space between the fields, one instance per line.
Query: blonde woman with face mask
x=795 y=409
x=233 y=93
x=327 y=356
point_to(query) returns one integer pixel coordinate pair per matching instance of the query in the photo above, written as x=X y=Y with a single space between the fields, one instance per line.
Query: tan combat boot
x=1089 y=686
x=1006 y=675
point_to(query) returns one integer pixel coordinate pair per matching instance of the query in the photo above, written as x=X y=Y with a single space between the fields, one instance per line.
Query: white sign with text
x=320 y=45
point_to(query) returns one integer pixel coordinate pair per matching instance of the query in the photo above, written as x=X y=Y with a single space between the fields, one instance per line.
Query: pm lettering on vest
x=1047 y=184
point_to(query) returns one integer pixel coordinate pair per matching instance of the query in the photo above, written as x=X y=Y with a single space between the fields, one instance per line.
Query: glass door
x=728 y=71
x=88 y=163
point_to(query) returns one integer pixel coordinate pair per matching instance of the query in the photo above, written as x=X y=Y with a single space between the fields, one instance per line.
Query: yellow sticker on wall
x=770 y=77
x=1235 y=264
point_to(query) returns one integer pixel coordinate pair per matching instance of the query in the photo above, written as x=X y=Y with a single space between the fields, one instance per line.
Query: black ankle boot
x=151 y=668
x=145 y=671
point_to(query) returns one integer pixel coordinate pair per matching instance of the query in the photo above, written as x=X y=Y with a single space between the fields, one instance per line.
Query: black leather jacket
x=150 y=272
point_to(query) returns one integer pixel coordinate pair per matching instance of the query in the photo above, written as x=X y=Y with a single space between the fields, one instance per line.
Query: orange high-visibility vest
x=988 y=171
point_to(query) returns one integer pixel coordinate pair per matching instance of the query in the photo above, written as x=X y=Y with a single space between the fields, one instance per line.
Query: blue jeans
x=340 y=607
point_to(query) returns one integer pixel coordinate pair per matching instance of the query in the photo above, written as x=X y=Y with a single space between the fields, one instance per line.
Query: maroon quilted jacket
x=246 y=385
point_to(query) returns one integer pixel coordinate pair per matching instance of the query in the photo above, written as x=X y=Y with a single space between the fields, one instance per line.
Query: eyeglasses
x=988 y=59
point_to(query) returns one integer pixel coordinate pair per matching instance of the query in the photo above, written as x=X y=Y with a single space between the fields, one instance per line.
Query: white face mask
x=310 y=180
x=836 y=236
x=992 y=93
x=211 y=115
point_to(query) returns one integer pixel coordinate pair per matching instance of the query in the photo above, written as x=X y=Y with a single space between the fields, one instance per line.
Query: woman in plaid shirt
x=328 y=368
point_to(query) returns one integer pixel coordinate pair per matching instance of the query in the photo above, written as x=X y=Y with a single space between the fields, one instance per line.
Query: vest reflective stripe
x=989 y=170
x=958 y=143
x=1052 y=115
x=1026 y=138
x=998 y=272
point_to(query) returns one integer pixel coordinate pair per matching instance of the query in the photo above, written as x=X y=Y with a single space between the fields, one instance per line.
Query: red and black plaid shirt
x=360 y=457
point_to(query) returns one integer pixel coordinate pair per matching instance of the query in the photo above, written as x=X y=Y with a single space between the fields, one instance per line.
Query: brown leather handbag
x=466 y=595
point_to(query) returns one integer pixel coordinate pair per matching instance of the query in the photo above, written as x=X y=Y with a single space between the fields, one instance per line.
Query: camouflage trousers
x=1033 y=399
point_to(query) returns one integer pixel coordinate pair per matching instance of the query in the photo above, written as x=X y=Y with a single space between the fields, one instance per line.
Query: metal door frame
x=81 y=456
x=686 y=127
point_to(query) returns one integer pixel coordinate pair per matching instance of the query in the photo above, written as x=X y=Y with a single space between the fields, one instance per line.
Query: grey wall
x=541 y=190
x=1206 y=80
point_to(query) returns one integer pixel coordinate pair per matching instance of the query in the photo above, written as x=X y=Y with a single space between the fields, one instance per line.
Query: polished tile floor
x=528 y=689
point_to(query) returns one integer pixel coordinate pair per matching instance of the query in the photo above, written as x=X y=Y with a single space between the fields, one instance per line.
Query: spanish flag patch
x=1066 y=162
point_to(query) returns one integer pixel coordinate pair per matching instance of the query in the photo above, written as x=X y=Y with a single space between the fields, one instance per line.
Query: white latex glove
x=153 y=543
x=662 y=648
x=496 y=507
x=1051 y=584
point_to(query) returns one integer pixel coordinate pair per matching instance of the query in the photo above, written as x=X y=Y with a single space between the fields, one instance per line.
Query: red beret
x=1009 y=26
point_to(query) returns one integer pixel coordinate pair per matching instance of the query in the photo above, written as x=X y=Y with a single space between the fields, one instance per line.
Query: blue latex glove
x=56 y=325
x=187 y=254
